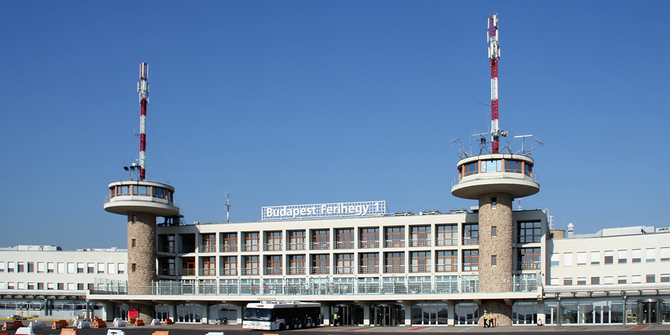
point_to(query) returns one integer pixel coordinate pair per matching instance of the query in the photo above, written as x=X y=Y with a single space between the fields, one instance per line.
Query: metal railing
x=273 y=247
x=368 y=244
x=344 y=245
x=207 y=248
x=394 y=243
x=420 y=243
x=228 y=248
x=368 y=269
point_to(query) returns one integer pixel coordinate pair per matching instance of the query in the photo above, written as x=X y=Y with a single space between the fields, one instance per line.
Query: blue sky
x=299 y=102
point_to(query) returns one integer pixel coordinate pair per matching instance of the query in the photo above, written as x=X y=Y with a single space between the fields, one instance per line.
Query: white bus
x=280 y=315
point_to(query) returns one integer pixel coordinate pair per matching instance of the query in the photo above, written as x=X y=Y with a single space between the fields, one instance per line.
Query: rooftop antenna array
x=529 y=151
x=227 y=205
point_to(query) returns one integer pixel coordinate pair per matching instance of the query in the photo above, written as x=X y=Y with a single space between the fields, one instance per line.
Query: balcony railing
x=207 y=272
x=272 y=271
x=470 y=240
x=228 y=247
x=187 y=249
x=530 y=266
x=250 y=247
x=419 y=268
x=344 y=245
x=394 y=269
x=394 y=243
x=329 y=286
x=320 y=245
x=296 y=246
x=188 y=272
x=447 y=241
x=368 y=244
x=368 y=269
x=207 y=248
x=296 y=271
x=420 y=243
x=273 y=247
x=253 y=271
x=228 y=272
x=447 y=268
x=320 y=270
x=344 y=269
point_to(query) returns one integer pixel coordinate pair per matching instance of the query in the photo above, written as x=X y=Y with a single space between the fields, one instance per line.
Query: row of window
x=495 y=165
x=622 y=279
x=141 y=190
x=394 y=262
x=62 y=267
x=344 y=238
x=649 y=255
x=48 y=286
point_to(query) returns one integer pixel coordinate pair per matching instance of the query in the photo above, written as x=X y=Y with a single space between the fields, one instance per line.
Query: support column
x=142 y=260
x=451 y=313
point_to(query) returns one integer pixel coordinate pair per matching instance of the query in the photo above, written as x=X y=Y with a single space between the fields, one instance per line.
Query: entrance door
x=648 y=311
x=385 y=315
x=349 y=315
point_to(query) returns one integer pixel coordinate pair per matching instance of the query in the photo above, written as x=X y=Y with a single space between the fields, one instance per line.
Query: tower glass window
x=529 y=232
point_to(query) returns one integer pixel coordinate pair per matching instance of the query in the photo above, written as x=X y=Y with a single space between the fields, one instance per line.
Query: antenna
x=492 y=38
x=227 y=205
x=143 y=90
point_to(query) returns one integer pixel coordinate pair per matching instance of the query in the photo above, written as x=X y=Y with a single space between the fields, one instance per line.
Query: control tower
x=141 y=202
x=495 y=179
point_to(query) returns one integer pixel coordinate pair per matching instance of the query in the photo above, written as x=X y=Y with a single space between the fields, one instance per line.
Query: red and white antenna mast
x=143 y=89
x=494 y=53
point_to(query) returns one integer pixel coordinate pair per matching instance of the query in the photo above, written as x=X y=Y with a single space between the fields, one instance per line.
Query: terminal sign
x=319 y=211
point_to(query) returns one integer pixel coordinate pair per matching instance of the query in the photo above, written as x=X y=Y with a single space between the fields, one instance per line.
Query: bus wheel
x=281 y=327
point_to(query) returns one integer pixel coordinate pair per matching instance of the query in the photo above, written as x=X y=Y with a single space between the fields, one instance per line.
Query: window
x=251 y=265
x=595 y=280
x=609 y=257
x=622 y=256
x=40 y=286
x=21 y=286
x=469 y=169
x=80 y=267
x=344 y=238
x=421 y=236
x=530 y=232
x=636 y=256
x=40 y=267
x=553 y=281
x=512 y=166
x=320 y=239
x=369 y=263
x=529 y=258
x=595 y=257
x=651 y=255
x=273 y=241
x=369 y=237
x=420 y=261
x=395 y=237
x=567 y=259
x=101 y=268
x=11 y=267
x=636 y=279
x=581 y=258
x=61 y=267
x=665 y=277
x=608 y=280
x=395 y=262
x=50 y=267
x=51 y=286
x=229 y=266
x=494 y=202
x=229 y=242
x=20 y=267
x=31 y=286
x=494 y=231
x=71 y=268
x=470 y=233
x=122 y=268
x=2 y=267
x=273 y=265
x=91 y=268
x=651 y=278
x=10 y=286
x=133 y=267
x=251 y=241
x=60 y=286
x=296 y=240
x=31 y=267
x=320 y=264
x=491 y=165
x=344 y=263
x=665 y=254
x=470 y=260
x=447 y=260
x=493 y=260
x=567 y=281
x=581 y=280
x=621 y=279
x=80 y=286
x=554 y=259
x=447 y=235
x=71 y=286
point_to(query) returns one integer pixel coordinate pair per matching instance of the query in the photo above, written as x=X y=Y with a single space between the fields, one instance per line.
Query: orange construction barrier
x=162 y=332
x=68 y=331
x=139 y=322
x=59 y=324
x=168 y=321
x=99 y=323
x=12 y=325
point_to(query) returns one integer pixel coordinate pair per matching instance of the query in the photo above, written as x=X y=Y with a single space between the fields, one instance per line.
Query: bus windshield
x=257 y=314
